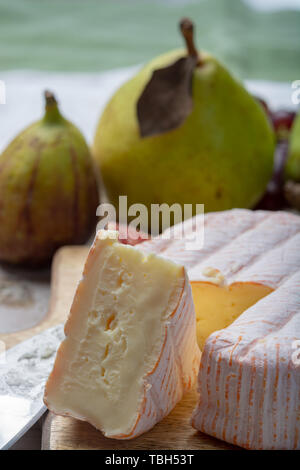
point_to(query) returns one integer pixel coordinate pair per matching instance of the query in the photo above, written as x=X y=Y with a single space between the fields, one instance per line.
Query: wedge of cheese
x=130 y=350
x=246 y=289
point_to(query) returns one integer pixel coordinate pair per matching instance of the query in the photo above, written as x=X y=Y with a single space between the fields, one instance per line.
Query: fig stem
x=187 y=31
x=52 y=113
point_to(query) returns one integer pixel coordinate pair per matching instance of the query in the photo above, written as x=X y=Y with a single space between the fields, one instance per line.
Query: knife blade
x=24 y=370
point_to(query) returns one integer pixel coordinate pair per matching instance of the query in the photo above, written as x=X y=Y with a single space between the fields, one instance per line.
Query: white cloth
x=82 y=97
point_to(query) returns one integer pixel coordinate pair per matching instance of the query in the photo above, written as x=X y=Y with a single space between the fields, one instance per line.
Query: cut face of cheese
x=130 y=350
x=218 y=306
x=246 y=289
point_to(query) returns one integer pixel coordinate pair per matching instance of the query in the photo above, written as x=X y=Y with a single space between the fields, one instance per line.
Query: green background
x=95 y=35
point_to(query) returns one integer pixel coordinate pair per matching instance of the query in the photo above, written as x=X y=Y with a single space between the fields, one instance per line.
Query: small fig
x=48 y=190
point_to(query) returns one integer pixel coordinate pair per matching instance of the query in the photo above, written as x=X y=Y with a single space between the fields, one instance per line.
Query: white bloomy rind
x=130 y=351
x=249 y=384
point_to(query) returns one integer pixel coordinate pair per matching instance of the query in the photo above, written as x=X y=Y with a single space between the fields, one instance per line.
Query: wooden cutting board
x=65 y=272
x=59 y=433
x=173 y=432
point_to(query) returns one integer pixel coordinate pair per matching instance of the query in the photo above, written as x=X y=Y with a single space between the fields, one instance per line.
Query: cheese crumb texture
x=210 y=272
x=130 y=350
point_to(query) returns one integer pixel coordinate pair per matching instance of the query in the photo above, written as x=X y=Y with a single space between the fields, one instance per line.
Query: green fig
x=292 y=168
x=48 y=190
x=218 y=149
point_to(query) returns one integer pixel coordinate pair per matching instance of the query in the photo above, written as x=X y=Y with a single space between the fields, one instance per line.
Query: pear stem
x=187 y=31
x=52 y=113
x=49 y=98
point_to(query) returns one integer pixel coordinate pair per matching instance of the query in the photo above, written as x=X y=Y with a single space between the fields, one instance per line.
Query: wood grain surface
x=173 y=432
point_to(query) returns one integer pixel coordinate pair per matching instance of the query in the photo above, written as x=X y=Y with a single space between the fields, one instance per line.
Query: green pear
x=222 y=154
x=292 y=168
x=48 y=190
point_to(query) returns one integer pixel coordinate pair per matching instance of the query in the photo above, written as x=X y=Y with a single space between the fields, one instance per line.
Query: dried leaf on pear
x=167 y=99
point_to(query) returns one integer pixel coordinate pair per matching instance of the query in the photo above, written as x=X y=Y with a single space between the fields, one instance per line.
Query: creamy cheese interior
x=114 y=336
x=218 y=306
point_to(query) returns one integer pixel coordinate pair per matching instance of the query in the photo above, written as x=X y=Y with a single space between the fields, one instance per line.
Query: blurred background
x=256 y=38
x=64 y=44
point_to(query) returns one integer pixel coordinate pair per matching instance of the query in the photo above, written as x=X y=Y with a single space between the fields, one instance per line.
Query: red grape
x=282 y=121
x=274 y=199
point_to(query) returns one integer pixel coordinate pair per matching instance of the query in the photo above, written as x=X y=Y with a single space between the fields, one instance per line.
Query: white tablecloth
x=83 y=96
